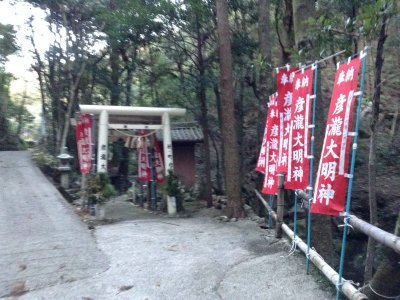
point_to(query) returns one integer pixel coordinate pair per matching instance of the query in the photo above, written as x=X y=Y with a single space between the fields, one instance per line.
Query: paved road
x=42 y=241
x=47 y=250
x=198 y=258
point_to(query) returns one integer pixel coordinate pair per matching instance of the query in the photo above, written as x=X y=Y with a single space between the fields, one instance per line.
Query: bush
x=99 y=188
x=43 y=159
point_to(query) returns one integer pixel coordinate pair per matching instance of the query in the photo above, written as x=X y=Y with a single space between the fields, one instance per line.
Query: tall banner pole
x=363 y=55
x=310 y=187
x=269 y=212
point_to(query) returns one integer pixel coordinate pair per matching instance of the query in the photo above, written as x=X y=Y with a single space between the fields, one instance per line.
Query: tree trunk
x=21 y=112
x=284 y=28
x=231 y=157
x=386 y=280
x=265 y=77
x=302 y=9
x=218 y=175
x=201 y=95
x=3 y=105
x=373 y=214
x=115 y=74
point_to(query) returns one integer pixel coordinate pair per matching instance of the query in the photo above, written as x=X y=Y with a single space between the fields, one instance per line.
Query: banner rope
x=310 y=65
x=136 y=135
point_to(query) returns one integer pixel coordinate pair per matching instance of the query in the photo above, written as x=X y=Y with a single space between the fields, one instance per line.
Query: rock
x=223 y=218
x=255 y=218
x=247 y=208
x=261 y=221
x=234 y=220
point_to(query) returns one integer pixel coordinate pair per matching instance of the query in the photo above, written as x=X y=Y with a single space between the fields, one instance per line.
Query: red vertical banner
x=332 y=176
x=143 y=161
x=270 y=184
x=298 y=169
x=83 y=132
x=158 y=161
x=284 y=80
x=261 y=158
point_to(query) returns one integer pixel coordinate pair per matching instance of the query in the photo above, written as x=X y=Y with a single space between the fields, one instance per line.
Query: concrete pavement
x=49 y=252
x=194 y=258
x=42 y=241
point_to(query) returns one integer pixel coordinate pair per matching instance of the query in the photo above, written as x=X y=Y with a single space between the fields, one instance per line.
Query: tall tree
x=382 y=10
x=8 y=46
x=194 y=40
x=231 y=151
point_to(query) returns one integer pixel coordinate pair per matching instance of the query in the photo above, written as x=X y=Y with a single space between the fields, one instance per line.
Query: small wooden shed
x=185 y=137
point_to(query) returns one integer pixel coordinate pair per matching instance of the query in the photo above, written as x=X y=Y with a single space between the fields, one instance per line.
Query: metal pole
x=280 y=205
x=295 y=217
x=153 y=193
x=269 y=212
x=310 y=187
x=316 y=62
x=363 y=55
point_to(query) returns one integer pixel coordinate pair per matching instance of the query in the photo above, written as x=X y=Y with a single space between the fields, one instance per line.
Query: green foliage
x=371 y=14
x=99 y=188
x=173 y=184
x=43 y=158
x=8 y=44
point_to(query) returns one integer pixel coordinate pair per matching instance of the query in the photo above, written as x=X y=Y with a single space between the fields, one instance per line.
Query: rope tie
x=339 y=285
x=292 y=249
x=136 y=135
x=346 y=223
x=317 y=254
x=376 y=293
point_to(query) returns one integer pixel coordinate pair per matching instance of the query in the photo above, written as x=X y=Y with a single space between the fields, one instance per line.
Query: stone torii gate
x=129 y=117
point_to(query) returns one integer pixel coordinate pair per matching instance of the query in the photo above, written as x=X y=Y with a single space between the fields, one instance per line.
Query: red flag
x=261 y=158
x=284 y=82
x=332 y=178
x=143 y=161
x=83 y=132
x=299 y=137
x=158 y=161
x=270 y=185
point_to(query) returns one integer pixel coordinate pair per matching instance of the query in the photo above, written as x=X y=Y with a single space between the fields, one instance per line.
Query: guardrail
x=347 y=288
x=385 y=238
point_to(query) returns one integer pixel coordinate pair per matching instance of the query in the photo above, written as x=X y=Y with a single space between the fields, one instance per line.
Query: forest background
x=217 y=60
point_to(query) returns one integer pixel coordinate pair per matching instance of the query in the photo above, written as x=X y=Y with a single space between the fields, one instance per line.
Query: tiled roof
x=183 y=132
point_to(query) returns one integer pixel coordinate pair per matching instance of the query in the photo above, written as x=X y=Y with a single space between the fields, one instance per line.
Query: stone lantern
x=64 y=167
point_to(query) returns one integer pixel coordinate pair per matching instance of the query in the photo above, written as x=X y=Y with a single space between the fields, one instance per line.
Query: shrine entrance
x=132 y=118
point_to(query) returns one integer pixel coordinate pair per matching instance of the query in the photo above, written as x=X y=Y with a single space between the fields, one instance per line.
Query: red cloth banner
x=332 y=178
x=284 y=81
x=143 y=161
x=270 y=184
x=298 y=170
x=158 y=162
x=261 y=158
x=83 y=132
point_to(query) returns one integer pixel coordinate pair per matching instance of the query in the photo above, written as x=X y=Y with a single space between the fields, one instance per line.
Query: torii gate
x=106 y=112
